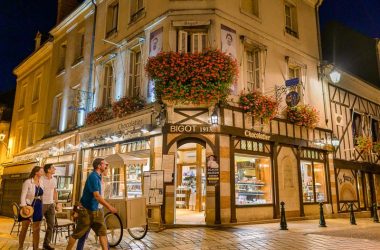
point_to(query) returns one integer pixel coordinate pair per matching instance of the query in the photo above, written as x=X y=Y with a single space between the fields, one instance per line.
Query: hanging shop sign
x=192 y=129
x=213 y=171
x=292 y=82
x=256 y=135
x=292 y=99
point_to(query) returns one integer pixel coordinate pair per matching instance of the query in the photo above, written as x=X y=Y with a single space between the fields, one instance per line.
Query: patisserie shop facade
x=213 y=173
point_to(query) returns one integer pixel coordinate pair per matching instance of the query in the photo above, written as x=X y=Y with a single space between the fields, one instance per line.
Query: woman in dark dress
x=32 y=190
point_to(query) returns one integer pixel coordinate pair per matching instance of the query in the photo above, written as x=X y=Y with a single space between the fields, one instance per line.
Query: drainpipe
x=90 y=87
x=321 y=65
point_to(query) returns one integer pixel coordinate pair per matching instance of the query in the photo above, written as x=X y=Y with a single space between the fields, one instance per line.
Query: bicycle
x=115 y=229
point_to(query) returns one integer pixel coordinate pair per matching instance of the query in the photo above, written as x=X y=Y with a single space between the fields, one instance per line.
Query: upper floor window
x=253 y=68
x=137 y=9
x=112 y=19
x=291 y=26
x=79 y=48
x=62 y=57
x=57 y=111
x=192 y=41
x=21 y=104
x=74 y=106
x=375 y=130
x=31 y=131
x=250 y=7
x=19 y=139
x=134 y=73
x=296 y=70
x=109 y=79
x=36 y=89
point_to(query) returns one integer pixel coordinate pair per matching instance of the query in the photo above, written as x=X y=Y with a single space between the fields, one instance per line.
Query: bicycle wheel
x=114 y=228
x=138 y=232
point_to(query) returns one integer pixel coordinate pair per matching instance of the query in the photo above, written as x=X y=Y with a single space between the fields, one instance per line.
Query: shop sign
x=32 y=156
x=212 y=170
x=191 y=23
x=256 y=135
x=191 y=129
x=292 y=99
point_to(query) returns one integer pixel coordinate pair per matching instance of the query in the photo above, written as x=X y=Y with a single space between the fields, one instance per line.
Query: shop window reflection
x=313 y=182
x=253 y=184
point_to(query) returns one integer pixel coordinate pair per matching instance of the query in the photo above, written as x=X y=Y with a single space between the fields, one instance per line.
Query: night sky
x=21 y=19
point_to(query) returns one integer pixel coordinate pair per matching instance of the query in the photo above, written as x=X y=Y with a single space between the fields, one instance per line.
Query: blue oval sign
x=292 y=99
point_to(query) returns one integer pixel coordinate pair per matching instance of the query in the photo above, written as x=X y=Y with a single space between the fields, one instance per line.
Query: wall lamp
x=215 y=116
x=335 y=76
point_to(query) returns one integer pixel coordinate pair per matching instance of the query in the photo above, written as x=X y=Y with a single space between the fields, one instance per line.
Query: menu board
x=153 y=187
x=168 y=167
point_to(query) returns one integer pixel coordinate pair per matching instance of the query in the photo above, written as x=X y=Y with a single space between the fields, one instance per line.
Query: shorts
x=88 y=219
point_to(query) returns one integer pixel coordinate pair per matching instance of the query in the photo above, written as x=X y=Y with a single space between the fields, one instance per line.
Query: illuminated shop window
x=313 y=182
x=253 y=182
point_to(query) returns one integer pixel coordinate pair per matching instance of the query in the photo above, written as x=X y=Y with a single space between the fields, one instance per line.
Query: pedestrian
x=89 y=213
x=49 y=199
x=82 y=240
x=31 y=206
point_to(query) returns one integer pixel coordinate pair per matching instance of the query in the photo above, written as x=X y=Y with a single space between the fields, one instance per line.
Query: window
x=57 y=111
x=109 y=78
x=375 y=130
x=291 y=26
x=313 y=182
x=31 y=131
x=36 y=89
x=250 y=7
x=19 y=139
x=253 y=69
x=192 y=41
x=137 y=9
x=79 y=47
x=74 y=106
x=297 y=71
x=134 y=74
x=253 y=181
x=357 y=127
x=22 y=97
x=112 y=19
x=62 y=57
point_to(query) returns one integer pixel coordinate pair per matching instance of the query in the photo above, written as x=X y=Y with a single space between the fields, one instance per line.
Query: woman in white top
x=31 y=193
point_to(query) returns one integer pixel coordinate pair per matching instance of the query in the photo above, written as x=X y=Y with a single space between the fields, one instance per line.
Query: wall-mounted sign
x=292 y=99
x=153 y=187
x=256 y=135
x=192 y=129
x=212 y=170
x=292 y=82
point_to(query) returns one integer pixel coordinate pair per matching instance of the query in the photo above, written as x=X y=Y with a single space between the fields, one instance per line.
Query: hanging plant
x=127 y=105
x=364 y=144
x=100 y=114
x=259 y=105
x=303 y=115
x=192 y=78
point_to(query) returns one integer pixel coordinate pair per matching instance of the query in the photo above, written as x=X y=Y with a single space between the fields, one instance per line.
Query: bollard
x=283 y=225
x=322 y=222
x=352 y=215
x=375 y=216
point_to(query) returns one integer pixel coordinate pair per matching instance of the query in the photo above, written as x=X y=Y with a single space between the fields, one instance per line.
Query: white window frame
x=137 y=9
x=198 y=41
x=302 y=69
x=291 y=20
x=108 y=83
x=112 y=18
x=254 y=76
x=135 y=72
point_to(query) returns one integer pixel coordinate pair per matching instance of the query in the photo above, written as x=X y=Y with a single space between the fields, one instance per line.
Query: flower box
x=100 y=114
x=258 y=105
x=127 y=105
x=303 y=115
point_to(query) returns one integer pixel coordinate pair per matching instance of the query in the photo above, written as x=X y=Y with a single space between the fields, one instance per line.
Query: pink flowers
x=99 y=115
x=303 y=115
x=127 y=105
x=258 y=105
x=192 y=77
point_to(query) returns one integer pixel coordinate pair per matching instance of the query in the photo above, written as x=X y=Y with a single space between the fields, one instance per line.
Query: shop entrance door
x=190 y=184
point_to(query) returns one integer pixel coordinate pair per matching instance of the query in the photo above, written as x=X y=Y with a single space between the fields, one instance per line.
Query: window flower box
x=100 y=114
x=258 y=105
x=303 y=115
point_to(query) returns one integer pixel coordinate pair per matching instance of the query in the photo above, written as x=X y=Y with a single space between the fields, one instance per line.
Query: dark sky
x=21 y=19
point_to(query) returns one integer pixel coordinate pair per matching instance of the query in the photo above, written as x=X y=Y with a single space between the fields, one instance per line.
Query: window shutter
x=182 y=41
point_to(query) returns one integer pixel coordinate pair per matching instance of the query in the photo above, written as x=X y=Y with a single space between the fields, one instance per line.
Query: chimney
x=37 y=40
x=65 y=7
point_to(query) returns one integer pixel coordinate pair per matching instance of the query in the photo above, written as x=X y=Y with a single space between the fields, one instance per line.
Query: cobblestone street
x=301 y=235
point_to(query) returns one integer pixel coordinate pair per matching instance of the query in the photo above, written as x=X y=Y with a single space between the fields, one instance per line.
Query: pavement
x=305 y=234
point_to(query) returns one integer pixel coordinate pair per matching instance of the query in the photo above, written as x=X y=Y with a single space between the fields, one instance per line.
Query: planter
x=303 y=115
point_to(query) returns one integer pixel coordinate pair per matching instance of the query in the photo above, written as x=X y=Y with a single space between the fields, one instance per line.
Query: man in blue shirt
x=89 y=215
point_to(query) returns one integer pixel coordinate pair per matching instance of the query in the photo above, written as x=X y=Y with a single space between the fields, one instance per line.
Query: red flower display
x=303 y=115
x=364 y=144
x=258 y=105
x=127 y=105
x=192 y=77
x=100 y=114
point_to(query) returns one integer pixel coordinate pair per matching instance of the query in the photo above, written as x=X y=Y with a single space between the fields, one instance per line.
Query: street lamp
x=2 y=136
x=335 y=141
x=215 y=116
x=335 y=76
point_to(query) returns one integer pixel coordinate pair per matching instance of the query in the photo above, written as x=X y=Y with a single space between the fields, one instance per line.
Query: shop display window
x=114 y=183
x=313 y=182
x=253 y=180
x=64 y=174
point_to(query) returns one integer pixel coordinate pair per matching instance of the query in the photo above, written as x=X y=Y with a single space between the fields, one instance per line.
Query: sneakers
x=47 y=247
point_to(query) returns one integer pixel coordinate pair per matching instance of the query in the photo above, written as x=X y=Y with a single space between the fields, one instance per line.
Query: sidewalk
x=301 y=235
